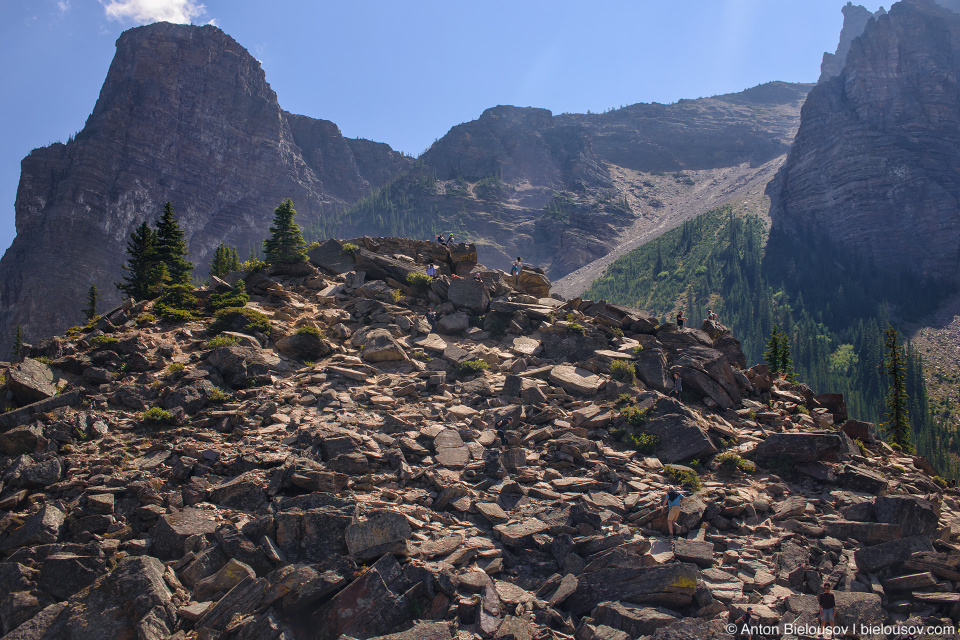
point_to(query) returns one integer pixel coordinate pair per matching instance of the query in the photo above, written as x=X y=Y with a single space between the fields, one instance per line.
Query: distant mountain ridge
x=186 y=115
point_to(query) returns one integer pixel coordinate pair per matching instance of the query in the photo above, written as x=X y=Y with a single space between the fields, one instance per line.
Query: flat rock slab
x=443 y=546
x=681 y=438
x=803 y=447
x=431 y=341
x=869 y=533
x=520 y=534
x=698 y=552
x=31 y=381
x=523 y=346
x=43 y=527
x=173 y=529
x=671 y=585
x=384 y=531
x=873 y=559
x=575 y=380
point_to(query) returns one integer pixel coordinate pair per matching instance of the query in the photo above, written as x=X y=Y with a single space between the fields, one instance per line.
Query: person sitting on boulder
x=477 y=277
x=450 y=239
x=711 y=315
x=672 y=503
x=431 y=270
x=680 y=319
x=432 y=319
x=440 y=239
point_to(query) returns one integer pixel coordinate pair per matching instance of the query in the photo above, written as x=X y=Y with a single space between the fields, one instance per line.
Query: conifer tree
x=142 y=272
x=286 y=243
x=234 y=260
x=90 y=311
x=896 y=425
x=18 y=342
x=772 y=354
x=172 y=248
x=219 y=266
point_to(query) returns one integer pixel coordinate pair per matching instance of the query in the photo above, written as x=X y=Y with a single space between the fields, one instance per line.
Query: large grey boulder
x=454 y=323
x=380 y=346
x=651 y=367
x=914 y=515
x=31 y=381
x=173 y=529
x=707 y=372
x=331 y=257
x=681 y=438
x=116 y=605
x=829 y=446
x=383 y=531
x=873 y=559
x=43 y=527
x=304 y=346
x=575 y=380
x=469 y=294
x=670 y=585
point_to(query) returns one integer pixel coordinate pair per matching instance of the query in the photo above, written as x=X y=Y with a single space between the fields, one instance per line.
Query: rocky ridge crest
x=339 y=472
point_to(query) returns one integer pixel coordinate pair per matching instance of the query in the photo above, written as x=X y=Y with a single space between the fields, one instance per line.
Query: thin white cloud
x=63 y=5
x=146 y=11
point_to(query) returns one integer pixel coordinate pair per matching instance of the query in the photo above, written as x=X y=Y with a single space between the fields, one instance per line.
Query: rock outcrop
x=855 y=18
x=873 y=167
x=497 y=481
x=185 y=115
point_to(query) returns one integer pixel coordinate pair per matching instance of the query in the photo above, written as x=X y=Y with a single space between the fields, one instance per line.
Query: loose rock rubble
x=353 y=483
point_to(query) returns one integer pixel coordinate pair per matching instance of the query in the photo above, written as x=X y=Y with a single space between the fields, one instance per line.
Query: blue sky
x=405 y=72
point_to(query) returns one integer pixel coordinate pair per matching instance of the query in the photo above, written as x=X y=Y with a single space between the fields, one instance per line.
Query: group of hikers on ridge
x=449 y=239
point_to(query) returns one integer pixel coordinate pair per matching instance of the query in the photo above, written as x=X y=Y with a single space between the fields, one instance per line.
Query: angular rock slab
x=681 y=438
x=43 y=527
x=671 y=585
x=575 y=380
x=914 y=515
x=31 y=381
x=380 y=346
x=383 y=531
x=803 y=447
x=873 y=559
x=173 y=529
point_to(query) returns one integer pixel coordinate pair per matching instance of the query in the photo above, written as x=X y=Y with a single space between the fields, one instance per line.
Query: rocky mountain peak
x=185 y=115
x=872 y=166
x=366 y=451
x=855 y=18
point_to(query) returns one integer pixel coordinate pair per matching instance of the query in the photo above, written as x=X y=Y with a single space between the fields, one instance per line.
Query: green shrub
x=623 y=371
x=420 y=282
x=635 y=416
x=253 y=265
x=178 y=296
x=102 y=342
x=624 y=398
x=645 y=443
x=156 y=416
x=221 y=341
x=732 y=464
x=217 y=395
x=145 y=318
x=44 y=360
x=617 y=331
x=420 y=354
x=175 y=369
x=396 y=295
x=940 y=482
x=309 y=331
x=576 y=327
x=802 y=409
x=236 y=297
x=350 y=248
x=689 y=480
x=469 y=367
x=170 y=314
x=230 y=319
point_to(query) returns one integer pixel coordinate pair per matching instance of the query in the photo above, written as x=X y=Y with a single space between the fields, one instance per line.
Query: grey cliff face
x=855 y=19
x=185 y=115
x=873 y=167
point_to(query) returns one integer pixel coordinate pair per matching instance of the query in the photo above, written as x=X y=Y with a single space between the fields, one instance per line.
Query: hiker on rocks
x=432 y=319
x=672 y=503
x=680 y=319
x=711 y=315
x=450 y=239
x=477 y=277
x=501 y=427
x=677 y=385
x=746 y=620
x=828 y=604
x=431 y=270
x=440 y=239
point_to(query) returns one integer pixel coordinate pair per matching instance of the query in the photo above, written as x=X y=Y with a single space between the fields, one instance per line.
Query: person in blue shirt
x=672 y=502
x=431 y=270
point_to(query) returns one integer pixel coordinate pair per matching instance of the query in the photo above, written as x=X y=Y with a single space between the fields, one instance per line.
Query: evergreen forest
x=832 y=306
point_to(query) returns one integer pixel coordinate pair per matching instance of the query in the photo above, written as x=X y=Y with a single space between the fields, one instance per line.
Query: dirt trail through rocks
x=741 y=185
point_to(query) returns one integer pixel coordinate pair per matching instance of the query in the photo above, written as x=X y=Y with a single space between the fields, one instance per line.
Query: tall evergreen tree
x=286 y=243
x=896 y=425
x=18 y=342
x=90 y=311
x=142 y=272
x=772 y=354
x=172 y=248
x=220 y=266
